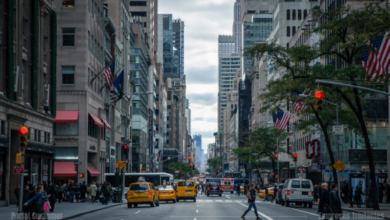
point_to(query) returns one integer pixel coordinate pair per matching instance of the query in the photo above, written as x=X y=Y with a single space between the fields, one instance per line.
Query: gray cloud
x=207 y=99
x=202 y=74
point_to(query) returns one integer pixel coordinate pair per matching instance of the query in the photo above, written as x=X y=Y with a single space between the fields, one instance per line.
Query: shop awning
x=98 y=122
x=64 y=169
x=66 y=117
x=106 y=123
x=92 y=170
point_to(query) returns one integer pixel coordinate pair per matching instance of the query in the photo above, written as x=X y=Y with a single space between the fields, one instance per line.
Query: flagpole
x=101 y=71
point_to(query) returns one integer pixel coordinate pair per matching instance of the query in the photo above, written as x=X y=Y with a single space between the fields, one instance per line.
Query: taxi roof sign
x=141 y=179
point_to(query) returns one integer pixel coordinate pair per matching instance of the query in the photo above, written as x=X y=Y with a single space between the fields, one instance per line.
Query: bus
x=240 y=181
x=227 y=184
x=155 y=178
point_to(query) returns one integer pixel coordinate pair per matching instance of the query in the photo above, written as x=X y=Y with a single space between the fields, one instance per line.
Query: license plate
x=189 y=191
x=164 y=193
x=214 y=188
x=304 y=193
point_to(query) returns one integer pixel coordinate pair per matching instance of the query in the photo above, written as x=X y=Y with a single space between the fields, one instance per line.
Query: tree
x=348 y=32
x=183 y=169
x=215 y=163
x=262 y=144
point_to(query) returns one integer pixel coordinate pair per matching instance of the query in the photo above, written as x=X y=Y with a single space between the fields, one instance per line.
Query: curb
x=361 y=212
x=84 y=213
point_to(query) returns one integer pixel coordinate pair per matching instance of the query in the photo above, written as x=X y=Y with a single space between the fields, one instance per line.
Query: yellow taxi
x=185 y=190
x=241 y=189
x=167 y=193
x=270 y=192
x=142 y=192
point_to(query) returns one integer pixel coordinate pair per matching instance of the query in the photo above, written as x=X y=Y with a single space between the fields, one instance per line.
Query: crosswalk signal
x=81 y=175
x=23 y=132
x=318 y=96
x=76 y=168
x=276 y=156
x=125 y=149
x=295 y=156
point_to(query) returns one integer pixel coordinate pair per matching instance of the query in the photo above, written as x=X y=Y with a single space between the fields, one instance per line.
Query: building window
x=304 y=14
x=2 y=129
x=167 y=141
x=138 y=13
x=137 y=3
x=39 y=136
x=68 y=3
x=68 y=74
x=68 y=37
x=294 y=14
x=169 y=106
x=167 y=133
x=288 y=14
x=293 y=30
x=299 y=14
x=92 y=127
x=89 y=41
x=288 y=31
x=251 y=11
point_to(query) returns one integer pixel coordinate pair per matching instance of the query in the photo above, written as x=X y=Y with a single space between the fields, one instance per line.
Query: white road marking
x=265 y=216
x=305 y=212
x=138 y=212
x=194 y=218
x=218 y=200
x=198 y=205
x=196 y=210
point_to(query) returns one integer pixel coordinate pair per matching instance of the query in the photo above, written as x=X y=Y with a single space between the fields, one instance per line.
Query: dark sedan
x=214 y=189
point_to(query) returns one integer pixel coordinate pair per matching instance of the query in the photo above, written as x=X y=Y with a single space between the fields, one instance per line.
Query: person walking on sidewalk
x=104 y=193
x=266 y=193
x=71 y=191
x=350 y=195
x=109 y=191
x=324 y=206
x=83 y=190
x=238 y=189
x=251 y=200
x=358 y=194
x=52 y=194
x=38 y=200
x=93 y=190
x=26 y=197
x=335 y=204
x=60 y=192
x=17 y=194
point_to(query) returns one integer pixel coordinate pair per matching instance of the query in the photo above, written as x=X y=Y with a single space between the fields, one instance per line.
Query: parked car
x=298 y=191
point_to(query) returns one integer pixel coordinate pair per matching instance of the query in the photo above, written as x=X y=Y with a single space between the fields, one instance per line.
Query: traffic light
x=276 y=156
x=125 y=149
x=76 y=168
x=295 y=156
x=23 y=132
x=189 y=159
x=318 y=96
x=81 y=175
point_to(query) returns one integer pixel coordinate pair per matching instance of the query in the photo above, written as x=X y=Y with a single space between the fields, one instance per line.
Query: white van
x=298 y=191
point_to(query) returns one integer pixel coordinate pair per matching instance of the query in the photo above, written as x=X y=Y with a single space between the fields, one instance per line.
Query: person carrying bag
x=324 y=204
x=38 y=202
x=251 y=195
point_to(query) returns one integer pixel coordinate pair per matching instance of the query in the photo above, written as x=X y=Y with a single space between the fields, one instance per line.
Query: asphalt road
x=227 y=206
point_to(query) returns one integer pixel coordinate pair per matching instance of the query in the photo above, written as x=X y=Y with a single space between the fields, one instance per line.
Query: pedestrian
x=26 y=197
x=350 y=195
x=30 y=186
x=275 y=193
x=52 y=194
x=109 y=191
x=335 y=204
x=83 y=190
x=380 y=192
x=77 y=192
x=60 y=192
x=89 y=192
x=315 y=198
x=238 y=189
x=251 y=200
x=71 y=189
x=38 y=200
x=345 y=192
x=103 y=191
x=266 y=194
x=98 y=192
x=93 y=190
x=17 y=194
x=324 y=206
x=358 y=194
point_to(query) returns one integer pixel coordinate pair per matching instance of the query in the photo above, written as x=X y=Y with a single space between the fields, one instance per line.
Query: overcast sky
x=204 y=20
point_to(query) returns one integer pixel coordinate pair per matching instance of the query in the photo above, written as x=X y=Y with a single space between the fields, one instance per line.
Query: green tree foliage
x=347 y=32
x=183 y=169
x=262 y=144
x=215 y=163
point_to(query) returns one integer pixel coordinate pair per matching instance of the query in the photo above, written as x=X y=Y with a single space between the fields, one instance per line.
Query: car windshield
x=165 y=188
x=185 y=184
x=139 y=186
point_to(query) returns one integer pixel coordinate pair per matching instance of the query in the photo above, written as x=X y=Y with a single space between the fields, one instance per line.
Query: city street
x=214 y=208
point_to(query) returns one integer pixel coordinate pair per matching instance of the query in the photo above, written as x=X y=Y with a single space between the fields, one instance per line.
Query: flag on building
x=275 y=119
x=301 y=104
x=376 y=58
x=283 y=119
x=118 y=83
x=109 y=75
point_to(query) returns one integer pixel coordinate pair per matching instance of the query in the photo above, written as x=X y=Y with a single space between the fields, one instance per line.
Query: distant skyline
x=204 y=21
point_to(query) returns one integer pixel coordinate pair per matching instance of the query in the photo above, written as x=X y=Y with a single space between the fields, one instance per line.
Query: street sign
x=116 y=165
x=177 y=171
x=321 y=161
x=18 y=170
x=121 y=164
x=77 y=163
x=338 y=129
x=339 y=166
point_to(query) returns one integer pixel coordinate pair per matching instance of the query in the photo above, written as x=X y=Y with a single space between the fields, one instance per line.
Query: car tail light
x=128 y=194
x=150 y=192
x=172 y=191
x=220 y=188
x=312 y=193
x=288 y=192
x=208 y=188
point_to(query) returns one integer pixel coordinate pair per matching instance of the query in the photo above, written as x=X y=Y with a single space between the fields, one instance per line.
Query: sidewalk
x=384 y=211
x=64 y=210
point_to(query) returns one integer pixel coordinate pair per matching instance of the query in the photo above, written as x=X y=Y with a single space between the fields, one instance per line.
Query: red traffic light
x=295 y=155
x=217 y=171
x=190 y=164
x=126 y=147
x=319 y=94
x=23 y=131
x=276 y=155
x=189 y=158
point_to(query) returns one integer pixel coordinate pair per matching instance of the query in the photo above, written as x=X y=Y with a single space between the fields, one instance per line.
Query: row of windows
x=68 y=78
x=96 y=13
x=95 y=48
x=292 y=14
x=294 y=29
x=137 y=3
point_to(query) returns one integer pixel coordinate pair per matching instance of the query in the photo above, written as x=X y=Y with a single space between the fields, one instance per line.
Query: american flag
x=300 y=105
x=376 y=59
x=109 y=75
x=280 y=119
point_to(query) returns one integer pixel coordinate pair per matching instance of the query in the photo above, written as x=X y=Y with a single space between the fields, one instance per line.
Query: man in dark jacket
x=83 y=190
x=71 y=191
x=266 y=193
x=26 y=197
x=335 y=203
x=52 y=193
x=350 y=195
x=104 y=192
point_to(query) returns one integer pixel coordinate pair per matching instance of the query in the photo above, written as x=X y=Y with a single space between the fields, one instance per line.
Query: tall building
x=178 y=42
x=28 y=85
x=237 y=26
x=228 y=63
x=198 y=145
x=168 y=49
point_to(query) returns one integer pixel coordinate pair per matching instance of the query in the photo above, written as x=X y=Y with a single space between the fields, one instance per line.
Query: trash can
x=117 y=196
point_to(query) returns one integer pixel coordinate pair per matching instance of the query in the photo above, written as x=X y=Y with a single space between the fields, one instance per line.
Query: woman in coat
x=52 y=193
x=93 y=190
x=251 y=202
x=324 y=206
x=335 y=203
x=358 y=194
x=38 y=202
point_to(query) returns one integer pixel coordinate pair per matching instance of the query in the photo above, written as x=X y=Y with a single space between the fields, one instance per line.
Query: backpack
x=248 y=194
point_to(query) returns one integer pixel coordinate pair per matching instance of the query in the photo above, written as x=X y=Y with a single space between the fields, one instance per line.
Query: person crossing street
x=251 y=200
